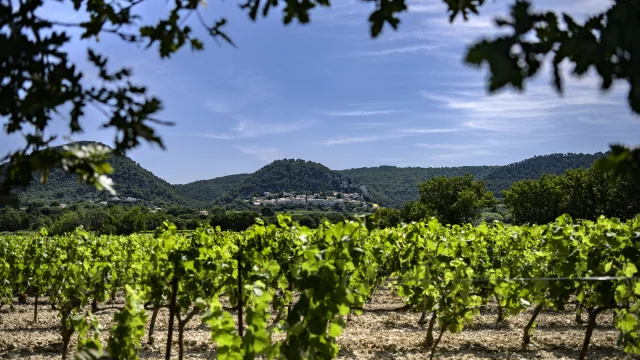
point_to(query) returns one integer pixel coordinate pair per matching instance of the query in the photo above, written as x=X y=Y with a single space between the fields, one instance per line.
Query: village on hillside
x=285 y=198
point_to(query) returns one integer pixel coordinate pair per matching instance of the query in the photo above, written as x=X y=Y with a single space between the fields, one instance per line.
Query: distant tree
x=67 y=223
x=535 y=201
x=133 y=221
x=267 y=211
x=581 y=193
x=9 y=220
x=307 y=221
x=455 y=200
x=387 y=217
x=415 y=211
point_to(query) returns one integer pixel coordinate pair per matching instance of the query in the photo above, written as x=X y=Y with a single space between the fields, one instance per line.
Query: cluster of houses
x=270 y=199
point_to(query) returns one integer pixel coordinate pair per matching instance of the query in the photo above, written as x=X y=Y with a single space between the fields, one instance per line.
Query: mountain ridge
x=387 y=185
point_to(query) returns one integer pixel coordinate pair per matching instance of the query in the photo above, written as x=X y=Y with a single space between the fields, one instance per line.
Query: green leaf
x=335 y=330
x=283 y=283
x=607 y=266
x=630 y=270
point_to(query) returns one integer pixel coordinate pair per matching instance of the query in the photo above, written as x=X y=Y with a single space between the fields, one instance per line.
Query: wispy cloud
x=401 y=133
x=265 y=154
x=429 y=131
x=539 y=108
x=360 y=112
x=398 y=50
x=252 y=129
x=236 y=90
x=361 y=139
x=491 y=143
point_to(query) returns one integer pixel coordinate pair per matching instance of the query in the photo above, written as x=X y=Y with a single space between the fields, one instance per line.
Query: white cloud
x=266 y=154
x=401 y=133
x=398 y=50
x=361 y=139
x=490 y=143
x=360 y=112
x=538 y=108
x=252 y=129
x=429 y=131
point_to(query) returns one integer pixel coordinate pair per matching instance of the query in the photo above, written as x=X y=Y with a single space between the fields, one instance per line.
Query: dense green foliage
x=124 y=220
x=455 y=200
x=581 y=193
x=311 y=279
x=131 y=180
x=207 y=191
x=393 y=186
x=386 y=185
x=45 y=81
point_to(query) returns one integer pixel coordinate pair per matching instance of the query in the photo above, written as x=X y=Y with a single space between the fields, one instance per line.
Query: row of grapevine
x=311 y=279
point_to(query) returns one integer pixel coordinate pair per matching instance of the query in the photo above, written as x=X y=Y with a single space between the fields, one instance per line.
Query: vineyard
x=289 y=292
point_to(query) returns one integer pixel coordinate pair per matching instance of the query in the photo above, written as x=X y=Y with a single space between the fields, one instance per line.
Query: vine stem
x=432 y=321
x=526 y=339
x=172 y=313
x=435 y=345
x=240 y=305
x=591 y=324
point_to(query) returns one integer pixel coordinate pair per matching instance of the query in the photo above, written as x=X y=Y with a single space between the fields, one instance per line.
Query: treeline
x=581 y=193
x=125 y=220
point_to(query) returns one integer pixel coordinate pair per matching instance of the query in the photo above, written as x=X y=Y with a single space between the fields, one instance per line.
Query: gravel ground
x=379 y=335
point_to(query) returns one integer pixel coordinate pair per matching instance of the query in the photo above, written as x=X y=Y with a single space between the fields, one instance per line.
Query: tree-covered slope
x=291 y=175
x=387 y=185
x=393 y=186
x=533 y=168
x=212 y=189
x=131 y=180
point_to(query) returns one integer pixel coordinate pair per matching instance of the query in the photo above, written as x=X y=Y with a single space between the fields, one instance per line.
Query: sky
x=327 y=92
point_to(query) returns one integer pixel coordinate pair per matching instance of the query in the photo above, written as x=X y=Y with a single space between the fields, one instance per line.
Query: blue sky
x=326 y=92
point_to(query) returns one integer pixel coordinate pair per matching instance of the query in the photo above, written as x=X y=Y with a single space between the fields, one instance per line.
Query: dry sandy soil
x=380 y=335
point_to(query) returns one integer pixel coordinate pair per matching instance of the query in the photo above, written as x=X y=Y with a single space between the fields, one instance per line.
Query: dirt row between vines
x=379 y=335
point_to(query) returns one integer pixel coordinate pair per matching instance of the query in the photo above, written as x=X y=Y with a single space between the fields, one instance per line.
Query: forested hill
x=210 y=190
x=387 y=185
x=131 y=180
x=502 y=177
x=296 y=176
x=393 y=186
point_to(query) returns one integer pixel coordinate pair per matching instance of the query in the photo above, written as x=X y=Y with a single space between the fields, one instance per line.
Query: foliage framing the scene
x=39 y=80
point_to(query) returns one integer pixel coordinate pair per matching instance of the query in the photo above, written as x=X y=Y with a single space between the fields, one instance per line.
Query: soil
x=372 y=335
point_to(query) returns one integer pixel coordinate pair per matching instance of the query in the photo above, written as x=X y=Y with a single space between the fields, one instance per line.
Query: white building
x=104 y=203
x=204 y=212
x=318 y=201
x=130 y=199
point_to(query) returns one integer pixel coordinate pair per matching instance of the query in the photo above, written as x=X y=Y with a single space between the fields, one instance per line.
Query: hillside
x=210 y=190
x=291 y=175
x=502 y=177
x=392 y=186
x=131 y=180
x=387 y=185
